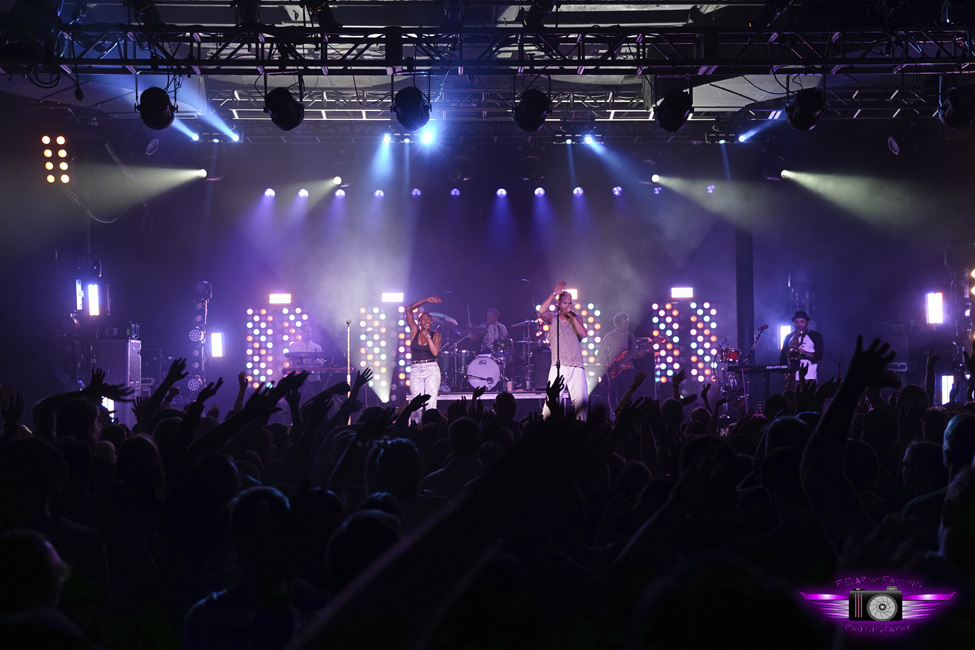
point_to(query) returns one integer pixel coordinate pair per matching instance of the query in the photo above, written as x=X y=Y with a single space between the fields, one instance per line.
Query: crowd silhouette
x=290 y=524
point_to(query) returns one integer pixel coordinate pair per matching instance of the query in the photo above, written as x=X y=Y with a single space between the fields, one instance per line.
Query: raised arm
x=410 y=321
x=543 y=311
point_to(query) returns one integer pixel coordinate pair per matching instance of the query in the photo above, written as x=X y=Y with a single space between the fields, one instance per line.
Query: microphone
x=763 y=328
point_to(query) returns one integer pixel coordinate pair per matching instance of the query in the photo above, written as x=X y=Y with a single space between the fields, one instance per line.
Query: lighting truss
x=675 y=51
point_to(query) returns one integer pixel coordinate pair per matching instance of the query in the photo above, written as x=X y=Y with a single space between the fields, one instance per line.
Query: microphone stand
x=529 y=385
x=741 y=368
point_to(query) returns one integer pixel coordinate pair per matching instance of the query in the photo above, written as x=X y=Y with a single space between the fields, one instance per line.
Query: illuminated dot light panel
x=271 y=331
x=685 y=340
x=381 y=347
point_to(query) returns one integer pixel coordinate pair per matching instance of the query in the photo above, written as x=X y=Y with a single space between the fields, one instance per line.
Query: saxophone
x=795 y=345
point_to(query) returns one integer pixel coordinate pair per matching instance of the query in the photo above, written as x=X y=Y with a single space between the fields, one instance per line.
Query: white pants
x=424 y=380
x=575 y=383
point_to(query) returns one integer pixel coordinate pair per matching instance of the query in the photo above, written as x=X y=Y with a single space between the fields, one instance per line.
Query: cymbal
x=526 y=323
x=443 y=317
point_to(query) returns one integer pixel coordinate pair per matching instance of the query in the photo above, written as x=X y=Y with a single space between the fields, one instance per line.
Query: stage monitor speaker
x=121 y=359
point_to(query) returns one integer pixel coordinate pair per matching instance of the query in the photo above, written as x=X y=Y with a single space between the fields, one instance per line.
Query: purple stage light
x=710 y=189
x=657 y=190
x=539 y=192
x=269 y=192
x=617 y=190
x=455 y=192
x=379 y=194
x=415 y=192
x=502 y=192
x=303 y=193
x=577 y=191
x=340 y=192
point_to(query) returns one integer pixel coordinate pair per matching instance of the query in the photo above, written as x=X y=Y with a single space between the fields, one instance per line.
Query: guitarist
x=617 y=351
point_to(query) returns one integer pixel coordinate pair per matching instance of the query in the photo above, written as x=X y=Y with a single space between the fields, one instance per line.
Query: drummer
x=495 y=335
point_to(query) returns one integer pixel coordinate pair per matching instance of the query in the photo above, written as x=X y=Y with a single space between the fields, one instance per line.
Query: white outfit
x=425 y=380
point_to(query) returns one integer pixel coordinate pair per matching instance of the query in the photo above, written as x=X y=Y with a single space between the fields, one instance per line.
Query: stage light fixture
x=146 y=11
x=411 y=108
x=322 y=14
x=454 y=14
x=537 y=12
x=156 y=110
x=531 y=110
x=674 y=109
x=958 y=110
x=804 y=111
x=286 y=112
x=248 y=11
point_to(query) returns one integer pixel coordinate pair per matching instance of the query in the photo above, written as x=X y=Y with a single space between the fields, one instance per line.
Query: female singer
x=424 y=348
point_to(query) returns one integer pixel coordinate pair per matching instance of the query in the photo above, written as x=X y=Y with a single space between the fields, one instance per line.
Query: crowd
x=325 y=525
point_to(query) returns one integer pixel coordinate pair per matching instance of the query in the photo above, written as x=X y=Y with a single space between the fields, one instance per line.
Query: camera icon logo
x=880 y=606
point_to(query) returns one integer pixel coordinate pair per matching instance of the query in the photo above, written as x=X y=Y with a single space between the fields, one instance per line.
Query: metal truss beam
x=595 y=51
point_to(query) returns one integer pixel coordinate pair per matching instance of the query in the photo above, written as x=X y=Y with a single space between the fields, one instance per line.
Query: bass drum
x=483 y=372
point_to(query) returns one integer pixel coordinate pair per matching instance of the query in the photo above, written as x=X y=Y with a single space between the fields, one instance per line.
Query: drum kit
x=508 y=365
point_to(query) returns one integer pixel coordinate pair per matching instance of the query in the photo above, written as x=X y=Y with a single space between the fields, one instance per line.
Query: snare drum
x=728 y=355
x=484 y=372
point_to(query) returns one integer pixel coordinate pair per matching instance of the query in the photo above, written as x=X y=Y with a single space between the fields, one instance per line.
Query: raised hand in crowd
x=553 y=391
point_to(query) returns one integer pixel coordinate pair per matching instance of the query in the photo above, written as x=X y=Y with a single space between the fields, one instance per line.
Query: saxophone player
x=802 y=347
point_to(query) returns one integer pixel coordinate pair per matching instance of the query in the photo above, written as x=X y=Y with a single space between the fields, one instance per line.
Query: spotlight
x=379 y=194
x=577 y=191
x=655 y=178
x=286 y=112
x=322 y=14
x=531 y=110
x=248 y=11
x=455 y=192
x=426 y=136
x=146 y=11
x=337 y=180
x=412 y=108
x=269 y=192
x=460 y=169
x=958 y=110
x=340 y=192
x=710 y=189
x=201 y=173
x=156 y=110
x=502 y=192
x=673 y=110
x=539 y=192
x=303 y=193
x=454 y=13
x=536 y=14
x=617 y=190
x=387 y=139
x=804 y=111
x=415 y=192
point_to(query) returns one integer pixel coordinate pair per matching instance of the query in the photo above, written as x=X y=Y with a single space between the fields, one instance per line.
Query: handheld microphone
x=763 y=328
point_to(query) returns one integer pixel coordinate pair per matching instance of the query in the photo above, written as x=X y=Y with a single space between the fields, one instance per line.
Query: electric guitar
x=624 y=360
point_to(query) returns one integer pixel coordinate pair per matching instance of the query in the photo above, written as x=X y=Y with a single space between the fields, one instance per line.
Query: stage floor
x=489 y=397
